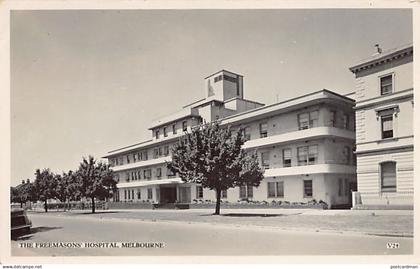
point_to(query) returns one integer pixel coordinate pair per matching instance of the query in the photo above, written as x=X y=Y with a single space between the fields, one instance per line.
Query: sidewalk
x=369 y=222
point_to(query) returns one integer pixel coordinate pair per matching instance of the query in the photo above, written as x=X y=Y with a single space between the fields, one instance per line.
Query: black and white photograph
x=220 y=131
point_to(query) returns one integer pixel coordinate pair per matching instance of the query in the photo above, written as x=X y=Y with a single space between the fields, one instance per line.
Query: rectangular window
x=157 y=134
x=303 y=119
x=340 y=187
x=265 y=160
x=147 y=173
x=129 y=197
x=165 y=133
x=308 y=120
x=184 y=126
x=155 y=153
x=275 y=189
x=388 y=177
x=263 y=129
x=307 y=188
x=128 y=159
x=287 y=157
x=331 y=118
x=280 y=189
x=199 y=192
x=302 y=155
x=138 y=194
x=139 y=174
x=313 y=119
x=246 y=191
x=134 y=157
x=145 y=155
x=346 y=153
x=223 y=194
x=386 y=84
x=150 y=194
x=160 y=151
x=174 y=128
x=313 y=154
x=247 y=133
x=125 y=194
x=166 y=150
x=128 y=177
x=387 y=128
x=271 y=189
x=158 y=172
x=229 y=78
x=346 y=121
x=132 y=194
x=307 y=155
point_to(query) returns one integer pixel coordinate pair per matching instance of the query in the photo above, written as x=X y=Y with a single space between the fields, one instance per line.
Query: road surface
x=193 y=239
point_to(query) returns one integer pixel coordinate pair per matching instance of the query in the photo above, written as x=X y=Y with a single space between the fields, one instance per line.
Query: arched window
x=388 y=177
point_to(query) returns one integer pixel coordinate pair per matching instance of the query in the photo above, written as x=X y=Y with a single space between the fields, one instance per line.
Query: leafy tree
x=14 y=195
x=213 y=157
x=95 y=180
x=45 y=186
x=68 y=188
x=23 y=193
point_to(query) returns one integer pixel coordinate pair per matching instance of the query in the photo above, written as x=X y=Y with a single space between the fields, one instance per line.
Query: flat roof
x=223 y=70
x=285 y=104
x=246 y=115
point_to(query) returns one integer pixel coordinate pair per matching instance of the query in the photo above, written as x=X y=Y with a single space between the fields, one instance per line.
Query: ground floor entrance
x=167 y=195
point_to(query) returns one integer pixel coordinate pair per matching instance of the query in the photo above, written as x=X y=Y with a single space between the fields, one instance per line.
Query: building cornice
x=383 y=58
x=386 y=150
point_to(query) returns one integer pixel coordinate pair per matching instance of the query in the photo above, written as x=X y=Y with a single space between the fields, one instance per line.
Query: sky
x=84 y=82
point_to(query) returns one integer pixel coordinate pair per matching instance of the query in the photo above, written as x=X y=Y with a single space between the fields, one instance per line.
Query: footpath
x=398 y=223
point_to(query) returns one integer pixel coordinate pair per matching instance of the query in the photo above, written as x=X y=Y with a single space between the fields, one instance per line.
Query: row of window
x=305 y=121
x=141 y=156
x=146 y=174
x=274 y=189
x=129 y=194
x=306 y=155
x=173 y=127
x=225 y=77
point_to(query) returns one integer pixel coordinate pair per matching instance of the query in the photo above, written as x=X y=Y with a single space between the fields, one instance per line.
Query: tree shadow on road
x=26 y=236
x=96 y=213
x=250 y=215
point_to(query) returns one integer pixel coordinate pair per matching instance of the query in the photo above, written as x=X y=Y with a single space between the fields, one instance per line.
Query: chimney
x=378 y=49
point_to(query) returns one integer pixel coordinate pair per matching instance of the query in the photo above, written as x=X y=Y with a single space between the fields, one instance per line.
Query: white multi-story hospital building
x=384 y=128
x=305 y=146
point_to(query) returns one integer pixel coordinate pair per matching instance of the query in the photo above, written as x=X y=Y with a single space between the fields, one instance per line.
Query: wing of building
x=305 y=146
x=384 y=129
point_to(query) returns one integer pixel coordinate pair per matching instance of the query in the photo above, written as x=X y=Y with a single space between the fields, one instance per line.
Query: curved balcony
x=141 y=164
x=142 y=183
x=311 y=169
x=306 y=134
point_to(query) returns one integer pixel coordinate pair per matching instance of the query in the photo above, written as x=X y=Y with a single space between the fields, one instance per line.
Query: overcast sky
x=86 y=82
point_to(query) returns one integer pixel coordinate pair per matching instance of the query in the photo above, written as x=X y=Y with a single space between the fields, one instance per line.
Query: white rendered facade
x=384 y=128
x=304 y=144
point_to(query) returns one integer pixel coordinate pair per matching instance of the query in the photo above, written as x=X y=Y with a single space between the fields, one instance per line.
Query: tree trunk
x=93 y=204
x=21 y=204
x=45 y=205
x=218 y=196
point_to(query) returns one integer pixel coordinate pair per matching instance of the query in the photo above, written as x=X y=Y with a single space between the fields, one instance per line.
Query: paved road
x=195 y=239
